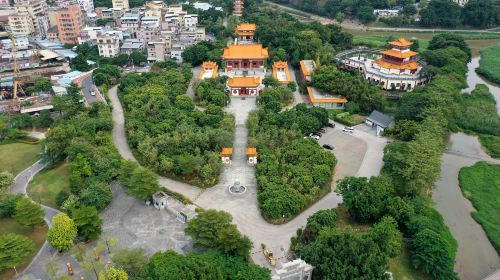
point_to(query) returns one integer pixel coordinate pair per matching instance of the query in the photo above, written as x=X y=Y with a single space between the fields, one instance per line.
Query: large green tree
x=133 y=260
x=88 y=222
x=366 y=199
x=13 y=249
x=481 y=13
x=442 y=13
x=213 y=229
x=28 y=213
x=62 y=232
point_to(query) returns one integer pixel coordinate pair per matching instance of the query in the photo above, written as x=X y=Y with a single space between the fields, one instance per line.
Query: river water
x=476 y=257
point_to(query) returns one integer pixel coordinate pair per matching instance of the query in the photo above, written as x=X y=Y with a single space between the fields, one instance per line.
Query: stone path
x=244 y=208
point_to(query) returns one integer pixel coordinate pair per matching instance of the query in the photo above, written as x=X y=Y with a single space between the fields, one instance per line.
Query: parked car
x=318 y=133
x=92 y=93
x=332 y=125
x=328 y=147
x=348 y=129
x=322 y=130
x=314 y=136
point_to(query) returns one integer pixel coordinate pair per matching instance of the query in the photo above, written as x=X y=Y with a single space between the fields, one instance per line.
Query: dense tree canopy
x=62 y=232
x=173 y=266
x=213 y=229
x=168 y=133
x=13 y=249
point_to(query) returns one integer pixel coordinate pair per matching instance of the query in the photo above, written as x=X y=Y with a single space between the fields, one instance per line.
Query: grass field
x=18 y=156
x=38 y=235
x=480 y=184
x=48 y=183
x=491 y=144
x=489 y=64
x=401 y=268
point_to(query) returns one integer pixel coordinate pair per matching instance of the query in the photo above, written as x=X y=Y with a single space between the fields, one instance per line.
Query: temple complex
x=209 y=69
x=395 y=69
x=244 y=85
x=245 y=57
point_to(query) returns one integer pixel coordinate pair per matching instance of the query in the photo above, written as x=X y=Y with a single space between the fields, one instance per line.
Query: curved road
x=244 y=208
x=20 y=185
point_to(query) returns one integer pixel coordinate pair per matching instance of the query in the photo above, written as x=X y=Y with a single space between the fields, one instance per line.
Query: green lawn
x=489 y=64
x=38 y=235
x=401 y=268
x=48 y=183
x=491 y=144
x=480 y=183
x=18 y=156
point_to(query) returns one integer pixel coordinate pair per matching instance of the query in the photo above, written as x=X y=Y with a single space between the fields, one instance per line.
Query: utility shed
x=379 y=120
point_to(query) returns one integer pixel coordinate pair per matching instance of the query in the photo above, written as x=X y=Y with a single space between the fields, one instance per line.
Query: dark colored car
x=328 y=147
x=332 y=125
x=322 y=130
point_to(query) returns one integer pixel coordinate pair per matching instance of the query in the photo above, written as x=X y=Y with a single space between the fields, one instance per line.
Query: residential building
x=70 y=23
x=385 y=12
x=159 y=49
x=380 y=121
x=190 y=22
x=395 y=69
x=120 y=4
x=245 y=57
x=281 y=72
x=243 y=86
x=200 y=34
x=5 y=3
x=90 y=34
x=209 y=69
x=109 y=46
x=325 y=100
x=37 y=10
x=87 y=6
x=22 y=43
x=22 y=24
x=307 y=67
x=238 y=8
x=132 y=45
x=52 y=33
x=150 y=21
x=461 y=2
x=63 y=3
x=147 y=34
x=246 y=32
x=131 y=22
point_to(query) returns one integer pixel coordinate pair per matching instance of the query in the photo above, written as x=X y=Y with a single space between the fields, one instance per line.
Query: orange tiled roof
x=227 y=151
x=303 y=68
x=246 y=27
x=399 y=54
x=401 y=42
x=251 y=151
x=208 y=64
x=384 y=64
x=254 y=51
x=326 y=100
x=243 y=82
x=281 y=64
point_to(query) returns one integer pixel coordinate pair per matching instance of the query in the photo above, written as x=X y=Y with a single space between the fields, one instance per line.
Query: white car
x=314 y=136
x=348 y=129
x=92 y=93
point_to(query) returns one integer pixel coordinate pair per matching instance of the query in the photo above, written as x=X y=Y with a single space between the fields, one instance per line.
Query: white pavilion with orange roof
x=395 y=69
x=246 y=32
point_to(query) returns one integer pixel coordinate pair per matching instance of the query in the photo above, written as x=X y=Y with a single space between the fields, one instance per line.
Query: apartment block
x=120 y=4
x=22 y=24
x=109 y=46
x=37 y=10
x=69 y=22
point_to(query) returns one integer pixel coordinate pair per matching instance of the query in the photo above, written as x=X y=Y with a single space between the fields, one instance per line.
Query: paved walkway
x=244 y=208
x=20 y=185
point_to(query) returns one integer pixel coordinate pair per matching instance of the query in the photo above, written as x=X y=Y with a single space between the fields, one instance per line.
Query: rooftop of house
x=226 y=151
x=251 y=151
x=407 y=66
x=401 y=42
x=130 y=16
x=380 y=119
x=318 y=96
x=307 y=67
x=236 y=82
x=253 y=51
